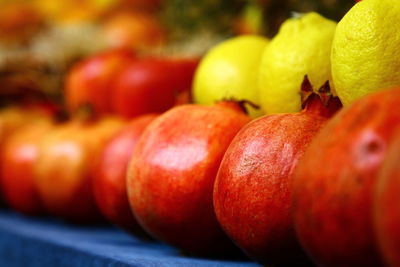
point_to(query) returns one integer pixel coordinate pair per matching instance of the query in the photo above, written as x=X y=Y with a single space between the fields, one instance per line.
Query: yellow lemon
x=229 y=71
x=301 y=47
x=366 y=49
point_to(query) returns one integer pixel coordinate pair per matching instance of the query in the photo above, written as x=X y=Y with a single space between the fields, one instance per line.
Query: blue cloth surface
x=26 y=241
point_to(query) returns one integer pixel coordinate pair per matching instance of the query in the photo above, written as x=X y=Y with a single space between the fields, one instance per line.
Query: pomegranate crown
x=320 y=101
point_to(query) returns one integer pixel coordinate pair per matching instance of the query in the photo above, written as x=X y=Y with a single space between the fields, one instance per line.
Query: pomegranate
x=65 y=167
x=12 y=119
x=253 y=189
x=152 y=84
x=387 y=205
x=109 y=183
x=335 y=179
x=18 y=158
x=89 y=82
x=172 y=173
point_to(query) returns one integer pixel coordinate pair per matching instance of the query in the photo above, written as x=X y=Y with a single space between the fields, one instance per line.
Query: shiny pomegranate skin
x=253 y=189
x=109 y=183
x=172 y=173
x=152 y=85
x=334 y=182
x=387 y=205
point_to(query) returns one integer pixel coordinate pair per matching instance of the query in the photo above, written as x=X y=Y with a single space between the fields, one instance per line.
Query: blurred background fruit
x=14 y=117
x=41 y=39
x=19 y=155
x=90 y=82
x=63 y=172
x=151 y=84
x=134 y=30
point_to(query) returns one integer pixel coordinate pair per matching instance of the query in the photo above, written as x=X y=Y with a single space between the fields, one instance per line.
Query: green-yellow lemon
x=366 y=49
x=301 y=47
x=230 y=71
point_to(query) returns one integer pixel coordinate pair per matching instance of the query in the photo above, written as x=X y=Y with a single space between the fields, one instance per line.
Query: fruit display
x=247 y=132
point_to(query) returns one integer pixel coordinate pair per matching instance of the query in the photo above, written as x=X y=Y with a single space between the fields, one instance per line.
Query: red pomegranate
x=90 y=81
x=152 y=84
x=172 y=174
x=64 y=169
x=335 y=179
x=19 y=154
x=387 y=205
x=109 y=181
x=253 y=189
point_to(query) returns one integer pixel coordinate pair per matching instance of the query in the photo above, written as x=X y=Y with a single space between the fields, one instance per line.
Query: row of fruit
x=309 y=181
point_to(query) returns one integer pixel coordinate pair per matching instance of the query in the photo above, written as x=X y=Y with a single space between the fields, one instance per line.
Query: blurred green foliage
x=188 y=17
x=185 y=17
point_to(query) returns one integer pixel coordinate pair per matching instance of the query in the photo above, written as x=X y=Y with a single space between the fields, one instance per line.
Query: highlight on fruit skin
x=19 y=156
x=172 y=172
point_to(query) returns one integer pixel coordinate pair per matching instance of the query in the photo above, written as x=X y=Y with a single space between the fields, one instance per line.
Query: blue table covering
x=26 y=241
